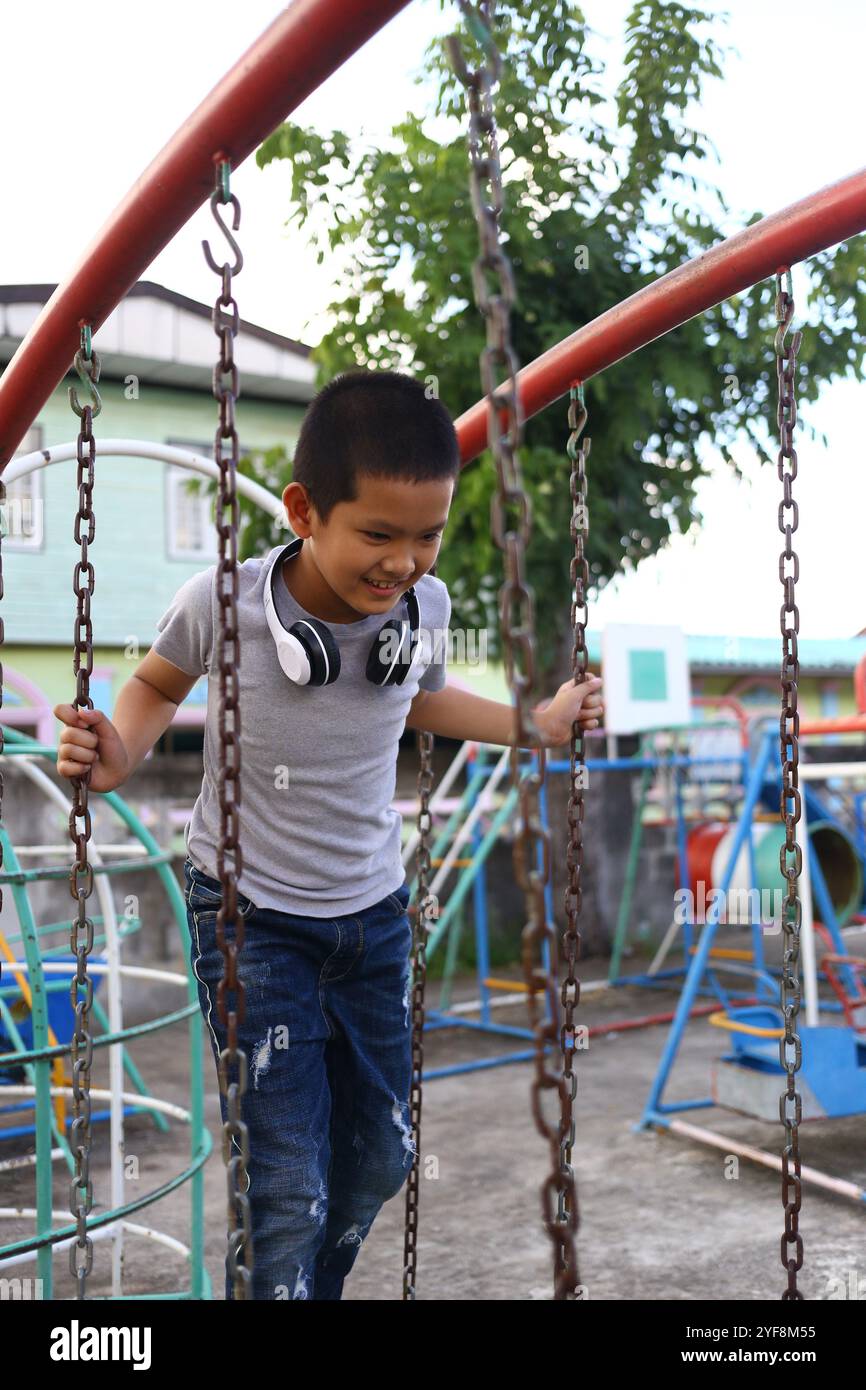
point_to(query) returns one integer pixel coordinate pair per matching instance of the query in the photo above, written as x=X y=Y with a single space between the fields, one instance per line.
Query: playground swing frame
x=307 y=43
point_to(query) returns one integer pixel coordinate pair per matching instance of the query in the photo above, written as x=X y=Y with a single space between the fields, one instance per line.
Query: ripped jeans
x=327 y=1035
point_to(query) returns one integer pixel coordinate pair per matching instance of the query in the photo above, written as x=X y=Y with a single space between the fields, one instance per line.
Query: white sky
x=90 y=96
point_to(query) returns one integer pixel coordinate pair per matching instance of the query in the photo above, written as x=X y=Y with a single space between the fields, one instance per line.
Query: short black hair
x=375 y=423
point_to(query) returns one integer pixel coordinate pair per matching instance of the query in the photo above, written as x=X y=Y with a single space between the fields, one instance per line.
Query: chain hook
x=221 y=195
x=88 y=366
x=577 y=417
x=479 y=22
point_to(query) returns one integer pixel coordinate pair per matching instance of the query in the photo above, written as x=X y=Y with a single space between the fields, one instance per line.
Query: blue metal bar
x=482 y=1064
x=629 y=764
x=684 y=1105
x=699 y=960
x=828 y=916
x=438 y=1020
x=859 y=802
x=479 y=903
x=19 y=1131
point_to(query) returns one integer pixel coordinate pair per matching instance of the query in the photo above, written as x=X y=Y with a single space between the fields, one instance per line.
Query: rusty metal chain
x=87 y=365
x=511 y=523
x=578 y=451
x=2 y=641
x=425 y=914
x=790 y=856
x=233 y=1059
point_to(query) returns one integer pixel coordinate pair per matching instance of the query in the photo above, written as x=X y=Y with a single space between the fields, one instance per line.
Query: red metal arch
x=307 y=42
x=776 y=242
x=303 y=46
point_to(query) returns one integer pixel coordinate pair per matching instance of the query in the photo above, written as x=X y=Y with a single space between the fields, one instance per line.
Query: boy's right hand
x=90 y=740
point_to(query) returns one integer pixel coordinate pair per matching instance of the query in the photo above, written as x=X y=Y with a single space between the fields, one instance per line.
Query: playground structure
x=303 y=46
x=833 y=1059
x=471 y=825
x=36 y=1021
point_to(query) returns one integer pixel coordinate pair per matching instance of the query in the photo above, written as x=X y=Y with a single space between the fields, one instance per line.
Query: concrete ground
x=659 y=1220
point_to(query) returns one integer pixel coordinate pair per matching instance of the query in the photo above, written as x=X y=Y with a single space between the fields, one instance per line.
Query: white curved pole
x=145 y=449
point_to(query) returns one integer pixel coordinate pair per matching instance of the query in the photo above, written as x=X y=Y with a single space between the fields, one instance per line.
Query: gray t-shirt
x=318 y=834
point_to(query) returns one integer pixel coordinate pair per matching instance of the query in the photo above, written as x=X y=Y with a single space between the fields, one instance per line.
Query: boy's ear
x=296 y=496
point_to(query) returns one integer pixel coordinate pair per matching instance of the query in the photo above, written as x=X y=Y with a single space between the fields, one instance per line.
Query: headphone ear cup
x=320 y=650
x=392 y=654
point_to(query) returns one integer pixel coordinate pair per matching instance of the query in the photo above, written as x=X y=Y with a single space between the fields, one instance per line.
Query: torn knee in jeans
x=402 y=1124
x=261 y=1058
x=407 y=991
x=318 y=1206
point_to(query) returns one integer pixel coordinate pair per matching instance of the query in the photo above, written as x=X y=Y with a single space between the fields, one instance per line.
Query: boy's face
x=390 y=533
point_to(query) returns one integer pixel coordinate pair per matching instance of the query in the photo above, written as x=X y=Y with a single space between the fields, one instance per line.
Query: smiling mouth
x=380 y=588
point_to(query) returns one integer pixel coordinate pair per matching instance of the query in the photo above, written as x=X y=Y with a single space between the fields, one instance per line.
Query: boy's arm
x=112 y=749
x=458 y=714
x=147 y=704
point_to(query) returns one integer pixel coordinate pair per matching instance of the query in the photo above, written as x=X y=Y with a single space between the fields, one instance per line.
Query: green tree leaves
x=591 y=215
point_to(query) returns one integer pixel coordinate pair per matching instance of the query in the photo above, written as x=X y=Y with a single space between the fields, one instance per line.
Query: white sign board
x=646 y=677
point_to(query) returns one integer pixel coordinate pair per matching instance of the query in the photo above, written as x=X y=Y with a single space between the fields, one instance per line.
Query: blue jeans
x=328 y=1040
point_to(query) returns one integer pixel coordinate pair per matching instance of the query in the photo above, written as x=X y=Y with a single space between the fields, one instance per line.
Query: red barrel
x=707 y=858
x=700 y=848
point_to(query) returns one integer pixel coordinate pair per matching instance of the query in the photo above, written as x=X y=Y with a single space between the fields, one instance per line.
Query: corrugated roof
x=815 y=653
x=834 y=655
x=735 y=653
x=151 y=289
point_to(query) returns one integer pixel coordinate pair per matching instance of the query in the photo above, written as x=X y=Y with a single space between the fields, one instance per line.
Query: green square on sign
x=647 y=675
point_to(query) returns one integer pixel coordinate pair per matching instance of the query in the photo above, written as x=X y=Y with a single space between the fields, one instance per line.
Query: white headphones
x=308 y=651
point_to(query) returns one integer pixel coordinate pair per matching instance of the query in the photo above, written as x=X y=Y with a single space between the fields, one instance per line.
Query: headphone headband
x=308 y=652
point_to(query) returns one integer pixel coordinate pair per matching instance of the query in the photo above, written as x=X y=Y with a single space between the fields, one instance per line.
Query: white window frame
x=176 y=477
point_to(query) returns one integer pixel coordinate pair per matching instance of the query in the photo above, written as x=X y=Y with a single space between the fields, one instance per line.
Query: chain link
x=790 y=856
x=425 y=914
x=87 y=365
x=578 y=452
x=233 y=1062
x=2 y=641
x=511 y=524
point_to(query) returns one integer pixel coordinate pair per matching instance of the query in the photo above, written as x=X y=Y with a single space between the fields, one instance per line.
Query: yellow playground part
x=723 y=1020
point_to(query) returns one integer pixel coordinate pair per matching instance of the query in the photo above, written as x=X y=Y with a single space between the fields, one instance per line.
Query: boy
x=326 y=959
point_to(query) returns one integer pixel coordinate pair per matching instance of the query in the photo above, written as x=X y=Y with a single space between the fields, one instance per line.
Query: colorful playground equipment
x=830 y=1056
x=37 y=1023
x=834 y=1073
x=484 y=815
x=732 y=870
x=308 y=41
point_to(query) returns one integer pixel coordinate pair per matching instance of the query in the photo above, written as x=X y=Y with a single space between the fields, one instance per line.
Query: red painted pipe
x=824 y=218
x=624 y=1025
x=306 y=43
x=732 y=703
x=847 y=724
x=303 y=46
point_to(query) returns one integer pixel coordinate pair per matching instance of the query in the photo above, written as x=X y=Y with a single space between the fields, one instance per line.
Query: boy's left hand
x=581 y=703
